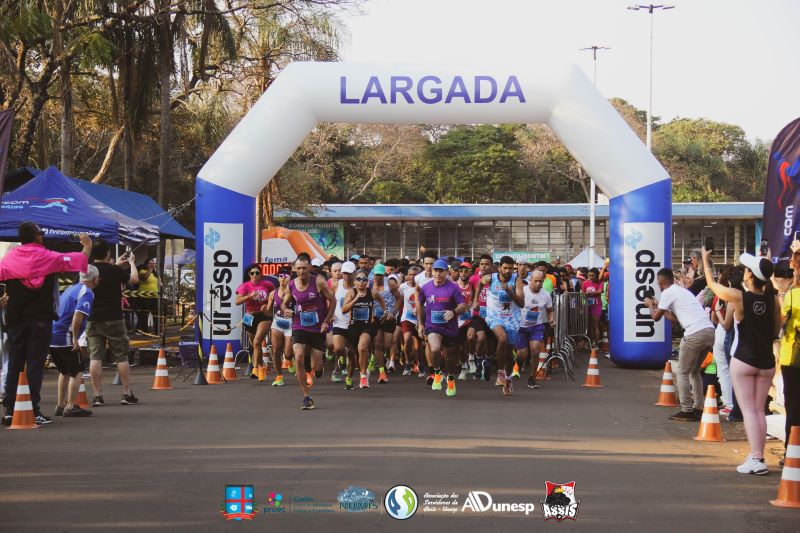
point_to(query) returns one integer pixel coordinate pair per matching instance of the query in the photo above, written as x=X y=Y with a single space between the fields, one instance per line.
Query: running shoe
x=251 y=371
x=278 y=381
x=336 y=377
x=407 y=371
x=371 y=367
x=129 y=399
x=309 y=380
x=329 y=357
x=348 y=383
x=751 y=465
x=532 y=383
x=98 y=401
x=382 y=378
x=291 y=368
x=390 y=367
x=515 y=371
x=685 y=416
x=430 y=379
x=508 y=387
x=42 y=420
x=77 y=412
x=501 y=378
x=364 y=382
x=487 y=369
x=471 y=367
x=342 y=362
x=308 y=403
x=463 y=375
x=437 y=382
x=415 y=369
x=451 y=386
x=59 y=411
x=479 y=367
x=7 y=420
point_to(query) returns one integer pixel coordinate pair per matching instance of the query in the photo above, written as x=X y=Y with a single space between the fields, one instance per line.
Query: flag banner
x=6 y=124
x=782 y=196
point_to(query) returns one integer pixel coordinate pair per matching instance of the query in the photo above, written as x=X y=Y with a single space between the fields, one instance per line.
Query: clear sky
x=735 y=61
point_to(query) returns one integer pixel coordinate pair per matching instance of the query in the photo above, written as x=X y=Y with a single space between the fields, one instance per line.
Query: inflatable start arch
x=306 y=94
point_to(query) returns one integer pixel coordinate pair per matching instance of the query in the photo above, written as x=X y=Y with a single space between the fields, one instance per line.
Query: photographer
x=150 y=284
x=679 y=305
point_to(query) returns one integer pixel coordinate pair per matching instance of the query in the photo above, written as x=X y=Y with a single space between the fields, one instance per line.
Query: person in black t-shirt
x=106 y=323
x=29 y=272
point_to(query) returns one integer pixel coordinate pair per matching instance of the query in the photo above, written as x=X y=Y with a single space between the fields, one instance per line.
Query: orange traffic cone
x=213 y=375
x=710 y=429
x=83 y=400
x=540 y=369
x=666 y=397
x=23 y=408
x=593 y=372
x=789 y=489
x=604 y=341
x=161 y=380
x=228 y=366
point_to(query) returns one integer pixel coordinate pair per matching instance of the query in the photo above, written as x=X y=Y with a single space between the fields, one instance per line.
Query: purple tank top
x=310 y=307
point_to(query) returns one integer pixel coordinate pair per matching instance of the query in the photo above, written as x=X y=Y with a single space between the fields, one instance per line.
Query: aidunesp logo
x=560 y=502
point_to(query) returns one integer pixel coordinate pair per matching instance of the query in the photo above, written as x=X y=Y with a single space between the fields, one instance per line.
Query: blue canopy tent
x=62 y=208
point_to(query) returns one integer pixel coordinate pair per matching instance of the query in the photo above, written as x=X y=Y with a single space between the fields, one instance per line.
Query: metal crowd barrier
x=572 y=324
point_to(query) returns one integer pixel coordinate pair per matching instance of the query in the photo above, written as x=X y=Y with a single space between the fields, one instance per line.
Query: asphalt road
x=163 y=464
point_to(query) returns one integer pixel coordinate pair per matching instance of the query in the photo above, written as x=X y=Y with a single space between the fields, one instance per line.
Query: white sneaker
x=471 y=368
x=336 y=377
x=752 y=466
x=463 y=375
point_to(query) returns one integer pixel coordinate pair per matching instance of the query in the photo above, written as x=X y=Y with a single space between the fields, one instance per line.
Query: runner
x=360 y=305
x=384 y=338
x=483 y=367
x=311 y=319
x=503 y=301
x=335 y=274
x=427 y=269
x=439 y=304
x=466 y=334
x=408 y=325
x=532 y=323
x=281 y=326
x=256 y=294
x=453 y=274
x=342 y=349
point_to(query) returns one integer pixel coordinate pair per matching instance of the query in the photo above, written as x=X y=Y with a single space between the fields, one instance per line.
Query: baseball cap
x=466 y=265
x=394 y=277
x=761 y=267
x=440 y=264
x=317 y=262
x=379 y=269
x=355 y=257
x=348 y=267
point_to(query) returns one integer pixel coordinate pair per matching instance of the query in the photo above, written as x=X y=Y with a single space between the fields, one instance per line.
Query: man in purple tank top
x=312 y=315
x=438 y=305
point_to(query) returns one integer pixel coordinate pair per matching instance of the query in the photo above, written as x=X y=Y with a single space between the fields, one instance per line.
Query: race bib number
x=247 y=319
x=410 y=315
x=282 y=323
x=378 y=312
x=532 y=316
x=309 y=318
x=361 y=314
x=482 y=312
x=504 y=297
x=437 y=317
x=466 y=315
x=590 y=301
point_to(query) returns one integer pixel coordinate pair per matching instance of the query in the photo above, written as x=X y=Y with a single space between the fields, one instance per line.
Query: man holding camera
x=678 y=304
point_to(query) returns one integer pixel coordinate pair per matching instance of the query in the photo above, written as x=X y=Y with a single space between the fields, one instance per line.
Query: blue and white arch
x=306 y=94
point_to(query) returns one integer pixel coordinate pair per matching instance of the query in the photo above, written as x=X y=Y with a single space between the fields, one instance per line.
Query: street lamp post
x=592 y=186
x=650 y=8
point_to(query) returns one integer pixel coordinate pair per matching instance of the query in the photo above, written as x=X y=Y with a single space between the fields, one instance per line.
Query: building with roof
x=469 y=230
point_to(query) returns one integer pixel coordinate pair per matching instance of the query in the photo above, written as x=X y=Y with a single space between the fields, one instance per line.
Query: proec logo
x=480 y=502
x=401 y=502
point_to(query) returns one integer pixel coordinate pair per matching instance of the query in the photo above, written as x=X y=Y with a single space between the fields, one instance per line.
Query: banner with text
x=523 y=257
x=782 y=195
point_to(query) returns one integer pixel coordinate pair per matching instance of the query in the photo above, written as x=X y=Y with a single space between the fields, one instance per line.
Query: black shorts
x=447 y=340
x=258 y=318
x=478 y=324
x=388 y=326
x=67 y=362
x=342 y=332
x=315 y=340
x=355 y=331
x=462 y=332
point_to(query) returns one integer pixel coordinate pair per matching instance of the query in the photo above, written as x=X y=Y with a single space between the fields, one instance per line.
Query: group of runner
x=442 y=321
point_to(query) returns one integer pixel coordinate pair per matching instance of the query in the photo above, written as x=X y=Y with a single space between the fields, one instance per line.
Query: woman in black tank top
x=360 y=303
x=756 y=314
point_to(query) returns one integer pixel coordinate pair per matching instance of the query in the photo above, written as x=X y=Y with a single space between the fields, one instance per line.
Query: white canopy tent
x=582 y=259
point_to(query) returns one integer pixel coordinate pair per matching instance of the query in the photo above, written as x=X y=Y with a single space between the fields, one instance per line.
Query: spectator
x=724 y=322
x=593 y=289
x=106 y=324
x=756 y=318
x=31 y=286
x=150 y=284
x=68 y=346
x=679 y=305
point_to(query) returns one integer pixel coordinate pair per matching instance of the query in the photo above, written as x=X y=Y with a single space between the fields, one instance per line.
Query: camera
x=709 y=244
x=762 y=251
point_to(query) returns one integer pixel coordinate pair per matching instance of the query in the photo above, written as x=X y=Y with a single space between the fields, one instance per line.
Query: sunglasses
x=284 y=275
x=362 y=279
x=255 y=272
